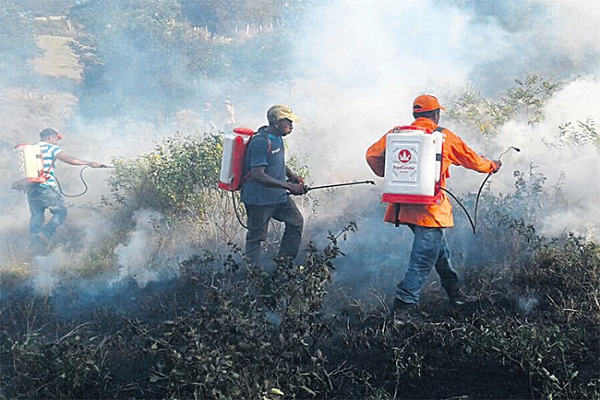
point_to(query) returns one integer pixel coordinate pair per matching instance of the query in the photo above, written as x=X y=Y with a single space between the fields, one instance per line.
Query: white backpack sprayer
x=232 y=163
x=413 y=166
x=27 y=166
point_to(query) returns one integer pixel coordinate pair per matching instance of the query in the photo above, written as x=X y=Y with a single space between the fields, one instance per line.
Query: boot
x=402 y=311
x=456 y=297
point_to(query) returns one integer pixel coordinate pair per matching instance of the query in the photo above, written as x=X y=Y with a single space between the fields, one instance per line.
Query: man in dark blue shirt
x=266 y=193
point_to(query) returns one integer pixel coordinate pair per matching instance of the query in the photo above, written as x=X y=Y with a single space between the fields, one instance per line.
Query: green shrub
x=180 y=176
x=220 y=331
x=528 y=96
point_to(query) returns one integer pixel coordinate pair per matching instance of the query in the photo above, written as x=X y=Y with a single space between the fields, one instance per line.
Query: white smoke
x=137 y=258
x=360 y=73
x=48 y=272
x=357 y=66
x=360 y=65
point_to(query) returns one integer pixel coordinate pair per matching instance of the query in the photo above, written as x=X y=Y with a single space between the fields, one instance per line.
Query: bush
x=180 y=176
x=220 y=331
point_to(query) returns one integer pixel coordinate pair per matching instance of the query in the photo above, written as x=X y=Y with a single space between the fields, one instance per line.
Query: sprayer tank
x=412 y=166
x=234 y=146
x=27 y=165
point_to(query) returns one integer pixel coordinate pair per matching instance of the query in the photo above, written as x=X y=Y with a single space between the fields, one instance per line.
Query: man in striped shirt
x=46 y=195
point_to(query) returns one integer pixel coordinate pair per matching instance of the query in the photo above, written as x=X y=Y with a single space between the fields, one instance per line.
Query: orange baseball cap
x=426 y=102
x=50 y=132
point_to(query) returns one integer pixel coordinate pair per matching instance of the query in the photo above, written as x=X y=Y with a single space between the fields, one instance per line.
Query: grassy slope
x=58 y=59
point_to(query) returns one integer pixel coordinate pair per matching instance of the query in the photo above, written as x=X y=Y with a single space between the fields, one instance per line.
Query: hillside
x=145 y=292
x=58 y=59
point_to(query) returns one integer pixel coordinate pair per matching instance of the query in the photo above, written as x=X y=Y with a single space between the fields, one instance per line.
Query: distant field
x=58 y=59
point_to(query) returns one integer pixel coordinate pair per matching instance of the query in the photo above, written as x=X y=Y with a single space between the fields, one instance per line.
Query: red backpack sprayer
x=232 y=165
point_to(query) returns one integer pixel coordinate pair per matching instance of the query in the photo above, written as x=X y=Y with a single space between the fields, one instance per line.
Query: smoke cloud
x=357 y=67
x=364 y=70
x=136 y=258
x=360 y=73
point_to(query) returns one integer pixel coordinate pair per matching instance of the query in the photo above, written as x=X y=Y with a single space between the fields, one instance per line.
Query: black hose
x=82 y=180
x=472 y=221
x=235 y=209
x=237 y=214
x=477 y=201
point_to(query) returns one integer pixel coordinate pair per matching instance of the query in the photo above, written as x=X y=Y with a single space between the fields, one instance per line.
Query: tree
x=528 y=98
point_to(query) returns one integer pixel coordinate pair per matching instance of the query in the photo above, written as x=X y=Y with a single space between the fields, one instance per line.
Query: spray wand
x=339 y=184
x=307 y=190
x=473 y=221
x=510 y=148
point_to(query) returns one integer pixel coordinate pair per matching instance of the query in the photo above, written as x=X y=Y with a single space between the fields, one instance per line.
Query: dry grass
x=58 y=59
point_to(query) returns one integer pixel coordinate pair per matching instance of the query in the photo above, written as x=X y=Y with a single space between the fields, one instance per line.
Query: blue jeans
x=429 y=249
x=41 y=199
x=258 y=225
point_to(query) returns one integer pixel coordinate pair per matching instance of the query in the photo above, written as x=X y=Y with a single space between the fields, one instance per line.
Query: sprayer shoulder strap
x=248 y=174
x=47 y=154
x=266 y=136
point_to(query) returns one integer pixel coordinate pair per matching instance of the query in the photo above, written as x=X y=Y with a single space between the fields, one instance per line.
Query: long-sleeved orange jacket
x=455 y=152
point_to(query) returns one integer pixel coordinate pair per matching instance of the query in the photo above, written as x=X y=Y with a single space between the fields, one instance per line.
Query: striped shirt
x=49 y=153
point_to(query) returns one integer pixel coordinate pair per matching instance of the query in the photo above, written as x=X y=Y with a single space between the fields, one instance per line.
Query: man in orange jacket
x=429 y=221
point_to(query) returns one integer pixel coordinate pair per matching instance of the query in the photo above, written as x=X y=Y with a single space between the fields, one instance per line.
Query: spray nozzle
x=510 y=148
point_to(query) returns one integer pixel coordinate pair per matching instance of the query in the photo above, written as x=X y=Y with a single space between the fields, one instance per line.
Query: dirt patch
x=58 y=59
